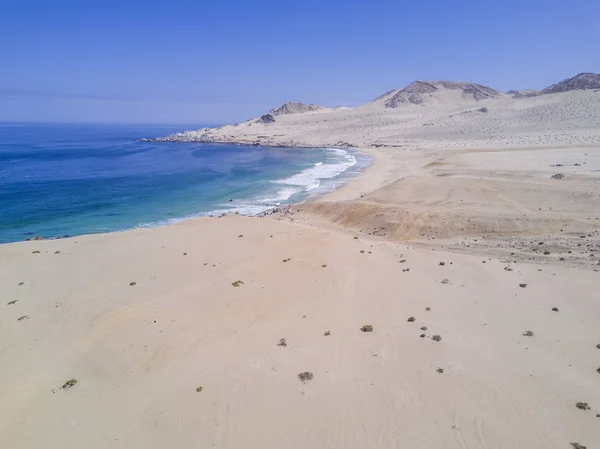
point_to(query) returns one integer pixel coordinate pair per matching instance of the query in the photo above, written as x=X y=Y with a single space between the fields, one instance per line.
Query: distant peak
x=581 y=81
x=419 y=91
x=294 y=107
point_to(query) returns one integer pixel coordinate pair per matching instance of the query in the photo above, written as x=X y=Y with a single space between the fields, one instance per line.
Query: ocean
x=61 y=180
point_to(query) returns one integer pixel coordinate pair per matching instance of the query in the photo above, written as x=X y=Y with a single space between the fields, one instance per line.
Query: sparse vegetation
x=411 y=319
x=199 y=389
x=237 y=283
x=424 y=328
x=24 y=317
x=355 y=238
x=367 y=328
x=436 y=338
x=440 y=370
x=306 y=376
x=362 y=251
x=445 y=281
x=21 y=283
x=69 y=384
x=10 y=303
x=131 y=284
x=56 y=252
x=422 y=335
x=35 y=252
x=323 y=266
x=282 y=342
x=327 y=333
x=583 y=406
x=428 y=308
x=578 y=446
x=528 y=334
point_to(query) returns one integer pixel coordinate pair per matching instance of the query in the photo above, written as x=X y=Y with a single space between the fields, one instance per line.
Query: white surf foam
x=310 y=178
x=303 y=183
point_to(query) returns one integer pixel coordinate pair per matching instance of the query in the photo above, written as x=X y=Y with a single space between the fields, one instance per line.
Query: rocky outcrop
x=582 y=81
x=419 y=91
x=294 y=107
x=267 y=118
x=525 y=93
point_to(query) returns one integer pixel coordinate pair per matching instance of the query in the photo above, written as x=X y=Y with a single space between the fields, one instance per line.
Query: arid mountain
x=294 y=107
x=582 y=81
x=420 y=91
x=431 y=114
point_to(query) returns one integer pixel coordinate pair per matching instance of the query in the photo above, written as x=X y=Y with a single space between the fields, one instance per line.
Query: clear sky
x=220 y=61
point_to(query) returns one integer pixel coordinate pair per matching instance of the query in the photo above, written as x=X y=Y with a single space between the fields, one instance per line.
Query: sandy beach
x=474 y=260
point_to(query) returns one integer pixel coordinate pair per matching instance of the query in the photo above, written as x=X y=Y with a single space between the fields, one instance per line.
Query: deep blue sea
x=58 y=180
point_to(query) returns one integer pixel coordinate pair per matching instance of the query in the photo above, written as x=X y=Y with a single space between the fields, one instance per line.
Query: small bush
x=411 y=319
x=440 y=370
x=522 y=285
x=424 y=328
x=436 y=338
x=306 y=376
x=237 y=283
x=528 y=334
x=578 y=446
x=327 y=333
x=131 y=284
x=445 y=281
x=69 y=383
x=367 y=328
x=282 y=342
x=24 y=317
x=10 y=303
x=555 y=309
x=422 y=335
x=199 y=389
x=582 y=406
x=35 y=252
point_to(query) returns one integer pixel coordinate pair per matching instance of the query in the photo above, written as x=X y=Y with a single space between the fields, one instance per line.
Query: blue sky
x=224 y=61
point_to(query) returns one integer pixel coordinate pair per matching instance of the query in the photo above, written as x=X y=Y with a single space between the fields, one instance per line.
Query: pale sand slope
x=426 y=194
x=139 y=352
x=448 y=119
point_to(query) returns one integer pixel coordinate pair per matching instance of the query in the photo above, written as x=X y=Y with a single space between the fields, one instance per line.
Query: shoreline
x=170 y=221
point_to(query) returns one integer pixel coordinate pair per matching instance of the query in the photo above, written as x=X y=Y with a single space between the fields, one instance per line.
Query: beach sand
x=478 y=245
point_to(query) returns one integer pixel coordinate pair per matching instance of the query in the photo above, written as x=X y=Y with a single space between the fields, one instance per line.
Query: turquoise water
x=58 y=180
